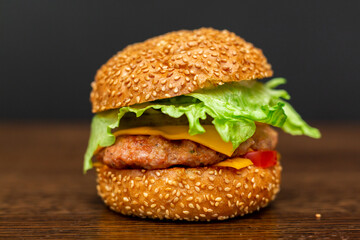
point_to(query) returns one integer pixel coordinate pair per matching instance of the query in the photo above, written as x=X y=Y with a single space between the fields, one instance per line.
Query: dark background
x=50 y=50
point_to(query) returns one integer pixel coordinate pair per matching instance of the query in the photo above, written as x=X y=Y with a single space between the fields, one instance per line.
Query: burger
x=182 y=128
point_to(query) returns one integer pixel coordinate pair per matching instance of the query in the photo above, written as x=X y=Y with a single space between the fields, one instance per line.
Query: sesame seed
x=249 y=195
x=229 y=195
x=246 y=210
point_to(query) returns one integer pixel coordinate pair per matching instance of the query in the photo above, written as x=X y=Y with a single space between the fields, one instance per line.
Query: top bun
x=174 y=64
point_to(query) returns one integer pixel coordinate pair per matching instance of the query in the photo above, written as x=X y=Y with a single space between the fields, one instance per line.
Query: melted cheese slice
x=210 y=138
x=236 y=163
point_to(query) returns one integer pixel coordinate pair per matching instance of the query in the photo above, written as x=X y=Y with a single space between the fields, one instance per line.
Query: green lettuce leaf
x=100 y=134
x=233 y=107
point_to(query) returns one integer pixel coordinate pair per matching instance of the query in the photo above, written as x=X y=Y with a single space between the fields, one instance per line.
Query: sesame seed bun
x=193 y=194
x=174 y=64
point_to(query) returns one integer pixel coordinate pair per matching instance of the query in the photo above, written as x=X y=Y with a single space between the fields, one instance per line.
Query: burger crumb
x=318 y=216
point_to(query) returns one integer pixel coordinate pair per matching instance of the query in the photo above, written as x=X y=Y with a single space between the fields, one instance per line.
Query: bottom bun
x=193 y=194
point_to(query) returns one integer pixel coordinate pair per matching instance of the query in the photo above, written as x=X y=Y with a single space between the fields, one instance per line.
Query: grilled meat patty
x=156 y=152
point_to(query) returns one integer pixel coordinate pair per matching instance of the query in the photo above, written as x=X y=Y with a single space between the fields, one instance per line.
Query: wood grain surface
x=44 y=195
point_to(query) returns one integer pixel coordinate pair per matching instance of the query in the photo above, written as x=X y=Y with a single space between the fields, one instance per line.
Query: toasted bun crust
x=193 y=194
x=174 y=64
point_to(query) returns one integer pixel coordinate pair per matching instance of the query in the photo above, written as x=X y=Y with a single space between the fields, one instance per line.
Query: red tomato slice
x=262 y=159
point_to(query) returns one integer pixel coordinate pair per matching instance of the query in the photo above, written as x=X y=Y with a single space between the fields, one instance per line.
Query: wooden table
x=44 y=194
